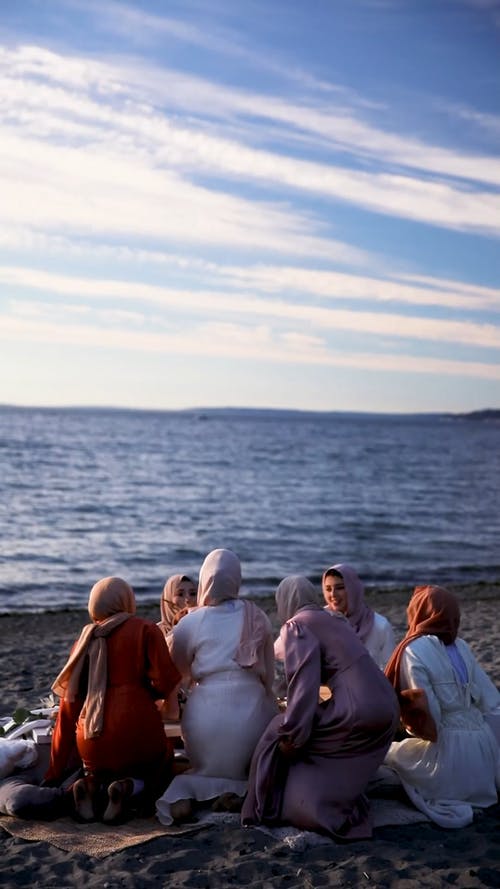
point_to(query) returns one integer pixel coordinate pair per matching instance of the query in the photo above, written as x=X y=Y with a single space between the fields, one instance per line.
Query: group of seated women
x=307 y=763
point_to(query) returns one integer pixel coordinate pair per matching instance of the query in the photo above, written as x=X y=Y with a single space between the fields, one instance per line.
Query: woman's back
x=445 y=776
x=205 y=641
x=361 y=694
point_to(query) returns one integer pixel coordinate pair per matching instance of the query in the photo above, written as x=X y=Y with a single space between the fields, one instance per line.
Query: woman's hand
x=286 y=748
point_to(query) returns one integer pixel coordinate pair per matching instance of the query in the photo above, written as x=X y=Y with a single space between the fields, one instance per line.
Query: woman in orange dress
x=117 y=669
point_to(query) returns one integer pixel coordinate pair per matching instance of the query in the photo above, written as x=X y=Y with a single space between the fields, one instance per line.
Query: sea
x=86 y=493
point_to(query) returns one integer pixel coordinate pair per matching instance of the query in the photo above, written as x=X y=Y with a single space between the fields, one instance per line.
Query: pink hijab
x=359 y=614
x=220 y=580
x=111 y=602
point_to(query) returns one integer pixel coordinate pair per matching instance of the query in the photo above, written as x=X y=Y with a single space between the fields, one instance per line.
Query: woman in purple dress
x=314 y=761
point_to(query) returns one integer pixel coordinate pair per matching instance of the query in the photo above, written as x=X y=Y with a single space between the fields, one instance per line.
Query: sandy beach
x=32 y=650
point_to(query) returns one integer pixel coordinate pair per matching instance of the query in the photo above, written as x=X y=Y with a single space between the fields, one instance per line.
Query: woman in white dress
x=460 y=769
x=225 y=647
x=344 y=592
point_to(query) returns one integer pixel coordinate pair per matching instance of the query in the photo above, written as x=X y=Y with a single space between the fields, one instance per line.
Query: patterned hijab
x=294 y=593
x=111 y=602
x=359 y=614
x=432 y=611
x=169 y=609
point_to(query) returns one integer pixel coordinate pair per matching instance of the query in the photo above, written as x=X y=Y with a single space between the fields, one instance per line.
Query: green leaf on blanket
x=22 y=715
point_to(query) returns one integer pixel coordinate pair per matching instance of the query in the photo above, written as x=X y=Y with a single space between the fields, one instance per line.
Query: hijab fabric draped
x=111 y=603
x=293 y=593
x=432 y=611
x=359 y=614
x=220 y=581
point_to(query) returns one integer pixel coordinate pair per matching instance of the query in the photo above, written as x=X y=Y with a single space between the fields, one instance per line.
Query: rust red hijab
x=432 y=611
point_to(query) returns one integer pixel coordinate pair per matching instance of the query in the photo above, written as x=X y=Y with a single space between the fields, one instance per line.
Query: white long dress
x=461 y=770
x=228 y=706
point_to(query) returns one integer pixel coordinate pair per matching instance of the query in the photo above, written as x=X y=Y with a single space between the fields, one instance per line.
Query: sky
x=286 y=204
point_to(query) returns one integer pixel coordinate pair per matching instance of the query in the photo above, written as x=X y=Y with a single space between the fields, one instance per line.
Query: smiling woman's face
x=185 y=594
x=335 y=593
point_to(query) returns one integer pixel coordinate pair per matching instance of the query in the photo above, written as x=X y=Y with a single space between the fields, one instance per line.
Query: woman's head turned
x=343 y=590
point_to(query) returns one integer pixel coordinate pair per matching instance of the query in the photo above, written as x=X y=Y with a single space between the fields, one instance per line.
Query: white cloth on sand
x=16 y=754
x=461 y=770
x=228 y=706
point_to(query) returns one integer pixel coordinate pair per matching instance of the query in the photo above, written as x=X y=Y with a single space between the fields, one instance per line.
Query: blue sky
x=289 y=204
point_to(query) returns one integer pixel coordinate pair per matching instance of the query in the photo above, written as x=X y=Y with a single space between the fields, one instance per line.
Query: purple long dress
x=338 y=743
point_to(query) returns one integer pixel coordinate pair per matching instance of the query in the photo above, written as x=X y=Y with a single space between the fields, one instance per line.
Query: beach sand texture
x=33 y=649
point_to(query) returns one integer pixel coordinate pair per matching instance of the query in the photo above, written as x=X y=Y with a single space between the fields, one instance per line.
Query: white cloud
x=232 y=341
x=134 y=137
x=57 y=189
x=412 y=290
x=226 y=304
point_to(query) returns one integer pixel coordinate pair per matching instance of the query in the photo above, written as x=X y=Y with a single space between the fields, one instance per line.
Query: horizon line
x=486 y=411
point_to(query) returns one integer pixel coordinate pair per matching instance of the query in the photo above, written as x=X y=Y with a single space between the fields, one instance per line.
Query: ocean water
x=88 y=493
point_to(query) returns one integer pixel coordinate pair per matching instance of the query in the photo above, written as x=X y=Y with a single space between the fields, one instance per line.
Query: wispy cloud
x=66 y=115
x=389 y=325
x=237 y=342
x=237 y=203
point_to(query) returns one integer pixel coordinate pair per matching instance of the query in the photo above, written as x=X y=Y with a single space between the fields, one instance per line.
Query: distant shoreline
x=260 y=412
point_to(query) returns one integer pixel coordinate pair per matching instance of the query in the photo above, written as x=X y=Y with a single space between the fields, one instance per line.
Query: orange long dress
x=133 y=741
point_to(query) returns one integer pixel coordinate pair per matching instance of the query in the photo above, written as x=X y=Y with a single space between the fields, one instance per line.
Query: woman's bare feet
x=119 y=795
x=227 y=802
x=83 y=798
x=182 y=810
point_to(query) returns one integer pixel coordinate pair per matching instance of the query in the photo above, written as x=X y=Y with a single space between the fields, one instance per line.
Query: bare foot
x=83 y=801
x=119 y=794
x=227 y=802
x=182 y=810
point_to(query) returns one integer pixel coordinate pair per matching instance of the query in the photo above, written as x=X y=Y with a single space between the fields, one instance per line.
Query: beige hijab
x=220 y=580
x=169 y=609
x=220 y=577
x=111 y=602
x=294 y=593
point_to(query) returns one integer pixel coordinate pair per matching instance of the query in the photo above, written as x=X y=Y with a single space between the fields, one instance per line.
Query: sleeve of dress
x=181 y=649
x=161 y=670
x=63 y=751
x=414 y=673
x=279 y=652
x=488 y=696
x=303 y=673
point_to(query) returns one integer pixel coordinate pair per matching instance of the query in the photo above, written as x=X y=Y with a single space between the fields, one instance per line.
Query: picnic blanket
x=99 y=840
